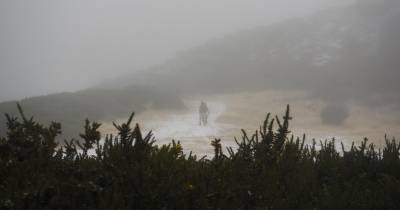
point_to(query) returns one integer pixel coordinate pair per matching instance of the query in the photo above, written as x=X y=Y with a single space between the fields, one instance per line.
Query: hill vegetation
x=355 y=47
x=269 y=170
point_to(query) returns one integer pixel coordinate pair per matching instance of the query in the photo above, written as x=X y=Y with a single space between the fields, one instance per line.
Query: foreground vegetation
x=269 y=170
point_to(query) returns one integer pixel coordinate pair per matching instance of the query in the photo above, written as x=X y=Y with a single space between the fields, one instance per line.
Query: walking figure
x=203 y=112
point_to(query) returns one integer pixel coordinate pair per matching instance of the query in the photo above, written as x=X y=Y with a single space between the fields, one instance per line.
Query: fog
x=199 y=104
x=52 y=46
x=335 y=61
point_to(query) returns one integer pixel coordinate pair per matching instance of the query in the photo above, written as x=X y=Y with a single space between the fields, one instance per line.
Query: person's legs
x=203 y=119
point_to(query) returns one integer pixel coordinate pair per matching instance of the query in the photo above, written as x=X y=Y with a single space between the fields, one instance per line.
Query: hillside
x=336 y=54
x=70 y=109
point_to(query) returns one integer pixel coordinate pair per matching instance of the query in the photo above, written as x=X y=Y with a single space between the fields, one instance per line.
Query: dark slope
x=71 y=109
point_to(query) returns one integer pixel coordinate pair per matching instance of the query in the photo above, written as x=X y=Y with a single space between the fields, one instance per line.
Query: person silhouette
x=203 y=113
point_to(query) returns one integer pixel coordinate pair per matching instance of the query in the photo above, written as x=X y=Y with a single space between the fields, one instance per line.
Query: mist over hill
x=202 y=135
x=340 y=55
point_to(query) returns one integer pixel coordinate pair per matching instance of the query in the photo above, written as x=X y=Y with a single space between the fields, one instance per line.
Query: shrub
x=269 y=170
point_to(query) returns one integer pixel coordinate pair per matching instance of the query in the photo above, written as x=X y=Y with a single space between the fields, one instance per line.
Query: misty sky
x=53 y=45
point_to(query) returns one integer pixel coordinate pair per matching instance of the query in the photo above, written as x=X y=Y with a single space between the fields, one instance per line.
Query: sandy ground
x=231 y=112
x=184 y=126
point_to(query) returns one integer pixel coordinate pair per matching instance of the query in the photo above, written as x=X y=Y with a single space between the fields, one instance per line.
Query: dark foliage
x=269 y=170
x=334 y=114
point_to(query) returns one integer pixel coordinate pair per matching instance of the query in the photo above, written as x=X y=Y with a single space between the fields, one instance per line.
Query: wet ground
x=229 y=113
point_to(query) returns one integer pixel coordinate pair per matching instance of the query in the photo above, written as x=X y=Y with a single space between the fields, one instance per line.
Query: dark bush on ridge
x=269 y=170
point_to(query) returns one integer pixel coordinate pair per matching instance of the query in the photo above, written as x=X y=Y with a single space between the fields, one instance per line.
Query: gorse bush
x=269 y=170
